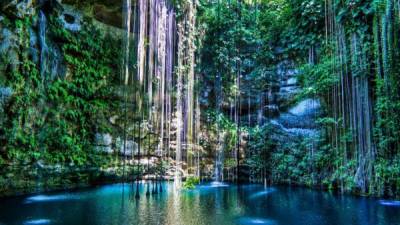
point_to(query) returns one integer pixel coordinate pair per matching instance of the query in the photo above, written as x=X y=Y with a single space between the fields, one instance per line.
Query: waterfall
x=161 y=69
x=126 y=39
x=44 y=50
x=161 y=37
x=219 y=153
x=127 y=9
x=185 y=83
x=169 y=68
x=197 y=133
x=141 y=48
x=219 y=159
x=179 y=109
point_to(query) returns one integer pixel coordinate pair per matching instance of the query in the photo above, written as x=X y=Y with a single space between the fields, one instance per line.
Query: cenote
x=97 y=95
x=207 y=204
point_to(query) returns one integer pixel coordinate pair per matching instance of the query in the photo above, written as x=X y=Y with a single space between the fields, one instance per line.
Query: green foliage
x=56 y=120
x=233 y=44
x=220 y=123
x=306 y=26
x=191 y=182
x=353 y=14
x=318 y=80
x=353 y=40
x=260 y=149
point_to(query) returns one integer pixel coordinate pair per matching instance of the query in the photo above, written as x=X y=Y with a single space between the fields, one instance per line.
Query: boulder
x=5 y=94
x=103 y=139
x=130 y=148
x=103 y=143
x=307 y=107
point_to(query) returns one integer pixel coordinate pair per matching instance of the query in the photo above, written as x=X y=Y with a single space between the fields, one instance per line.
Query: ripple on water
x=218 y=184
x=212 y=185
x=37 y=222
x=49 y=198
x=262 y=193
x=255 y=221
x=389 y=203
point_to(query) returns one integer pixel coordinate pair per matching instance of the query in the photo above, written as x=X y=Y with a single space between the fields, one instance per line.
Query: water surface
x=208 y=204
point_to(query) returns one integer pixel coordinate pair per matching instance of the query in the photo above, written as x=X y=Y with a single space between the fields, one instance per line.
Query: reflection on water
x=262 y=193
x=219 y=204
x=48 y=198
x=390 y=203
x=255 y=221
x=37 y=222
x=217 y=184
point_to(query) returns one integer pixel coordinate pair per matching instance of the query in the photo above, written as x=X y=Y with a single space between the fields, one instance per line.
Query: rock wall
x=279 y=105
x=39 y=45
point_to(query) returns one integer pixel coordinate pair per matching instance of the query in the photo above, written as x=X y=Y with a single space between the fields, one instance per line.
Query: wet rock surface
x=71 y=19
x=19 y=8
x=5 y=94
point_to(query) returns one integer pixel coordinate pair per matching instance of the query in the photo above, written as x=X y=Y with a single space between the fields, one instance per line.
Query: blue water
x=208 y=204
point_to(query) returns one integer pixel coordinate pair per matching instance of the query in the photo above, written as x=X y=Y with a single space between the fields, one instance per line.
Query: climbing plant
x=56 y=121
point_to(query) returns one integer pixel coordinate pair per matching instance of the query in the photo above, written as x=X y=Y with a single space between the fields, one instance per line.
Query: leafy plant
x=191 y=182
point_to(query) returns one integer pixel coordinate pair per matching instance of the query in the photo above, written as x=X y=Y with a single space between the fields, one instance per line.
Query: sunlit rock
x=103 y=142
x=300 y=120
x=307 y=107
x=113 y=119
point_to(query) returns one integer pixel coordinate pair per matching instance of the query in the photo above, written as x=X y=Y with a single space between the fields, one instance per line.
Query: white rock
x=306 y=107
x=103 y=139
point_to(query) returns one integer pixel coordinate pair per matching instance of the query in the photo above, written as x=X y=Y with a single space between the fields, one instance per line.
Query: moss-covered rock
x=19 y=8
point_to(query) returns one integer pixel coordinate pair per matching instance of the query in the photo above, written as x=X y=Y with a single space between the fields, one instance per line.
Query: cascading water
x=219 y=153
x=126 y=40
x=157 y=46
x=127 y=9
x=219 y=159
x=179 y=128
x=185 y=80
x=161 y=69
x=141 y=48
x=197 y=133
x=44 y=50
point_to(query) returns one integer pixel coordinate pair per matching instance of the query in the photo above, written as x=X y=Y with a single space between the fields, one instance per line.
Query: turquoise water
x=208 y=204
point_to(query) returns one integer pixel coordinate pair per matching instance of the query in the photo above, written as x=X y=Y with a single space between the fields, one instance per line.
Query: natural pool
x=206 y=205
